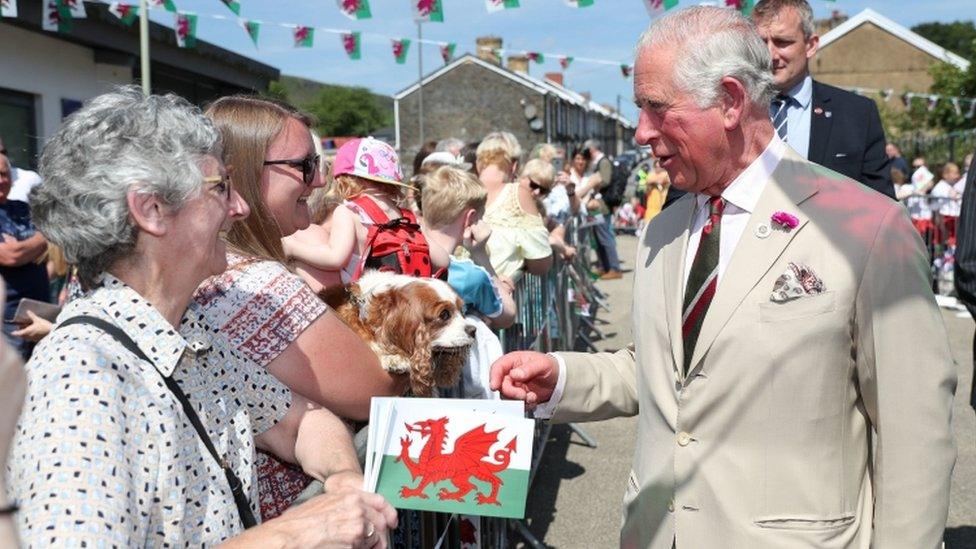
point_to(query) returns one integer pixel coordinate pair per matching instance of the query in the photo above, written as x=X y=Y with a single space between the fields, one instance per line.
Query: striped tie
x=702 y=279
x=778 y=111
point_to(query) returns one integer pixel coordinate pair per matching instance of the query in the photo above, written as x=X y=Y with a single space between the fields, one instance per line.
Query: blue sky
x=607 y=30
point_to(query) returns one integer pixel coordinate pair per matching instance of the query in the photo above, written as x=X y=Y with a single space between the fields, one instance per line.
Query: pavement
x=575 y=500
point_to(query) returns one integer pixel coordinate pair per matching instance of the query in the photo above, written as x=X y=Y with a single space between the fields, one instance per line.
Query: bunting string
x=304 y=36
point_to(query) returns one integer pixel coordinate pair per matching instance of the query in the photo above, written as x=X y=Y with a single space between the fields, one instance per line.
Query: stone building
x=474 y=95
x=872 y=53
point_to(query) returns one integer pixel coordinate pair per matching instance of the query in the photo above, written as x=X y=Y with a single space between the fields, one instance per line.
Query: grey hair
x=770 y=9
x=448 y=144
x=715 y=43
x=118 y=141
x=592 y=144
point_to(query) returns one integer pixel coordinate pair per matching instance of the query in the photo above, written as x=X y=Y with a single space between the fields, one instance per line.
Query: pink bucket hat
x=370 y=159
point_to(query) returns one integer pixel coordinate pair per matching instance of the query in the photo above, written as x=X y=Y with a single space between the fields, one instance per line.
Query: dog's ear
x=337 y=296
x=421 y=366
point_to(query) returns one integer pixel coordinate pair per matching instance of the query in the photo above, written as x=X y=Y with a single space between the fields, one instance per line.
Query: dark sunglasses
x=309 y=165
x=542 y=190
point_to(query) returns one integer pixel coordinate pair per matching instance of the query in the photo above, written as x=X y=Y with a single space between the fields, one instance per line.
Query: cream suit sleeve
x=598 y=386
x=907 y=380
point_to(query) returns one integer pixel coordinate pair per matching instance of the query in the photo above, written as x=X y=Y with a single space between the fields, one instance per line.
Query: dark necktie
x=778 y=110
x=702 y=279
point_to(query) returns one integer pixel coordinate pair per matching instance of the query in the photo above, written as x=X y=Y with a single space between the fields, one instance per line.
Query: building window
x=18 y=127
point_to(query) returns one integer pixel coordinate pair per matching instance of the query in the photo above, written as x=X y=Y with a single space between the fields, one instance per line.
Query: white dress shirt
x=741 y=197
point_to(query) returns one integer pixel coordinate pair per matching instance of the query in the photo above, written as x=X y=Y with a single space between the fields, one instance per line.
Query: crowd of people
x=195 y=387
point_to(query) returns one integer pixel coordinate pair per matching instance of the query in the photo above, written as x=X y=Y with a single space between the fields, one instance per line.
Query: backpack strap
x=371 y=208
x=236 y=487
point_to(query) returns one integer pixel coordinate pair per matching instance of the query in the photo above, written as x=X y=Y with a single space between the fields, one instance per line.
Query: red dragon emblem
x=425 y=7
x=465 y=462
x=397 y=48
x=349 y=42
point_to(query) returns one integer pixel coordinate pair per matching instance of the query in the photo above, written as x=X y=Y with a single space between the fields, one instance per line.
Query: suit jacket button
x=684 y=439
x=671 y=506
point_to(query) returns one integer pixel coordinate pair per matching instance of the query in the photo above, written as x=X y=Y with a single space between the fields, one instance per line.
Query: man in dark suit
x=826 y=125
x=965 y=271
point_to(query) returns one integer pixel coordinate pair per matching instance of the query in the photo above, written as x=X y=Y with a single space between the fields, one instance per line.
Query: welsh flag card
x=450 y=455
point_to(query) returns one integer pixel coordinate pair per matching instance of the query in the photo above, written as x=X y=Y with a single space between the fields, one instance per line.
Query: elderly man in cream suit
x=790 y=367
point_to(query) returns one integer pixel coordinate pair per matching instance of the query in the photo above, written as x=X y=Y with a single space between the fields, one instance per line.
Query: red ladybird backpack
x=393 y=245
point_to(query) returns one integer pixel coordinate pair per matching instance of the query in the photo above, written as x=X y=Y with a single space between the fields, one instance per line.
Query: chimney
x=487 y=47
x=586 y=95
x=518 y=63
x=556 y=77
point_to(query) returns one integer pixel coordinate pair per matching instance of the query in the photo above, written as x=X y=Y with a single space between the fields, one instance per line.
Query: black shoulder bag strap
x=236 y=488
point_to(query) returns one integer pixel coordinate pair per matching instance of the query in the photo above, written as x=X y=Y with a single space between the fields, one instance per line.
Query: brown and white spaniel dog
x=414 y=325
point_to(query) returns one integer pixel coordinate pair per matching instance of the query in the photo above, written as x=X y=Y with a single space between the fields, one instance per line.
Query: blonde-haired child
x=453 y=204
x=370 y=229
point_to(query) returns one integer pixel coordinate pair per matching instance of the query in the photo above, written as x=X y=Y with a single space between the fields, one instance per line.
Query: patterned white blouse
x=104 y=456
x=261 y=307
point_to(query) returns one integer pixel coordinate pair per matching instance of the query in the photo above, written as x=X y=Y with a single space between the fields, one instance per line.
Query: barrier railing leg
x=587 y=439
x=526 y=535
x=587 y=343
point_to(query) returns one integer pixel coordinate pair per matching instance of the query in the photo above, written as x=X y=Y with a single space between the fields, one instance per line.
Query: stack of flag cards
x=450 y=455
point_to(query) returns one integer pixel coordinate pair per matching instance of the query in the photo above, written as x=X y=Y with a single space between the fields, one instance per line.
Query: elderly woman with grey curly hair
x=140 y=424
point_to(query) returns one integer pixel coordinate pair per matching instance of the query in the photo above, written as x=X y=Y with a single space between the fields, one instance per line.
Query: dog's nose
x=470 y=330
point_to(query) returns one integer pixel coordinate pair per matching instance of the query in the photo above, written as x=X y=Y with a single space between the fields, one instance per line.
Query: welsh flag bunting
x=447 y=51
x=565 y=62
x=75 y=7
x=252 y=28
x=625 y=70
x=355 y=9
x=352 y=45
x=536 y=56
x=125 y=12
x=579 y=3
x=499 y=5
x=8 y=8
x=186 y=30
x=400 y=49
x=657 y=7
x=744 y=6
x=168 y=5
x=57 y=17
x=428 y=10
x=233 y=6
x=304 y=36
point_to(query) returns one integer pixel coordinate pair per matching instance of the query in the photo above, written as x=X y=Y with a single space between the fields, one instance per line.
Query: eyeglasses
x=309 y=165
x=220 y=182
x=541 y=189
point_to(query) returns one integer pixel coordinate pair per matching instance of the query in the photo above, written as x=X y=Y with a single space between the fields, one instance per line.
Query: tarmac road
x=575 y=500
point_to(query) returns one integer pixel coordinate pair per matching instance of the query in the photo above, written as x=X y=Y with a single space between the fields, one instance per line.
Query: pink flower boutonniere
x=785 y=220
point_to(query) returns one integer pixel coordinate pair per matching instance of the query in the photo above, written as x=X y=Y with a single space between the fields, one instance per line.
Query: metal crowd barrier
x=938 y=232
x=555 y=313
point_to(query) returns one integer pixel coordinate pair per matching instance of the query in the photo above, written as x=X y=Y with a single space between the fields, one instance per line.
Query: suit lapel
x=674 y=263
x=753 y=255
x=820 y=125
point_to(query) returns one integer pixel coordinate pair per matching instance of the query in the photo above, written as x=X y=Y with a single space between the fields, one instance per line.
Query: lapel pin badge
x=827 y=114
x=817 y=110
x=763 y=230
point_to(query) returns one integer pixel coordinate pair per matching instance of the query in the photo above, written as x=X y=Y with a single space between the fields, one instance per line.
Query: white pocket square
x=840 y=155
x=797 y=281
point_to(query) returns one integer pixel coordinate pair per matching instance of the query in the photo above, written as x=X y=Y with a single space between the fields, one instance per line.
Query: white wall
x=52 y=69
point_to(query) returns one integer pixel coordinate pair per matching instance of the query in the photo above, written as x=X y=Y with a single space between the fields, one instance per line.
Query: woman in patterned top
x=266 y=311
x=104 y=454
